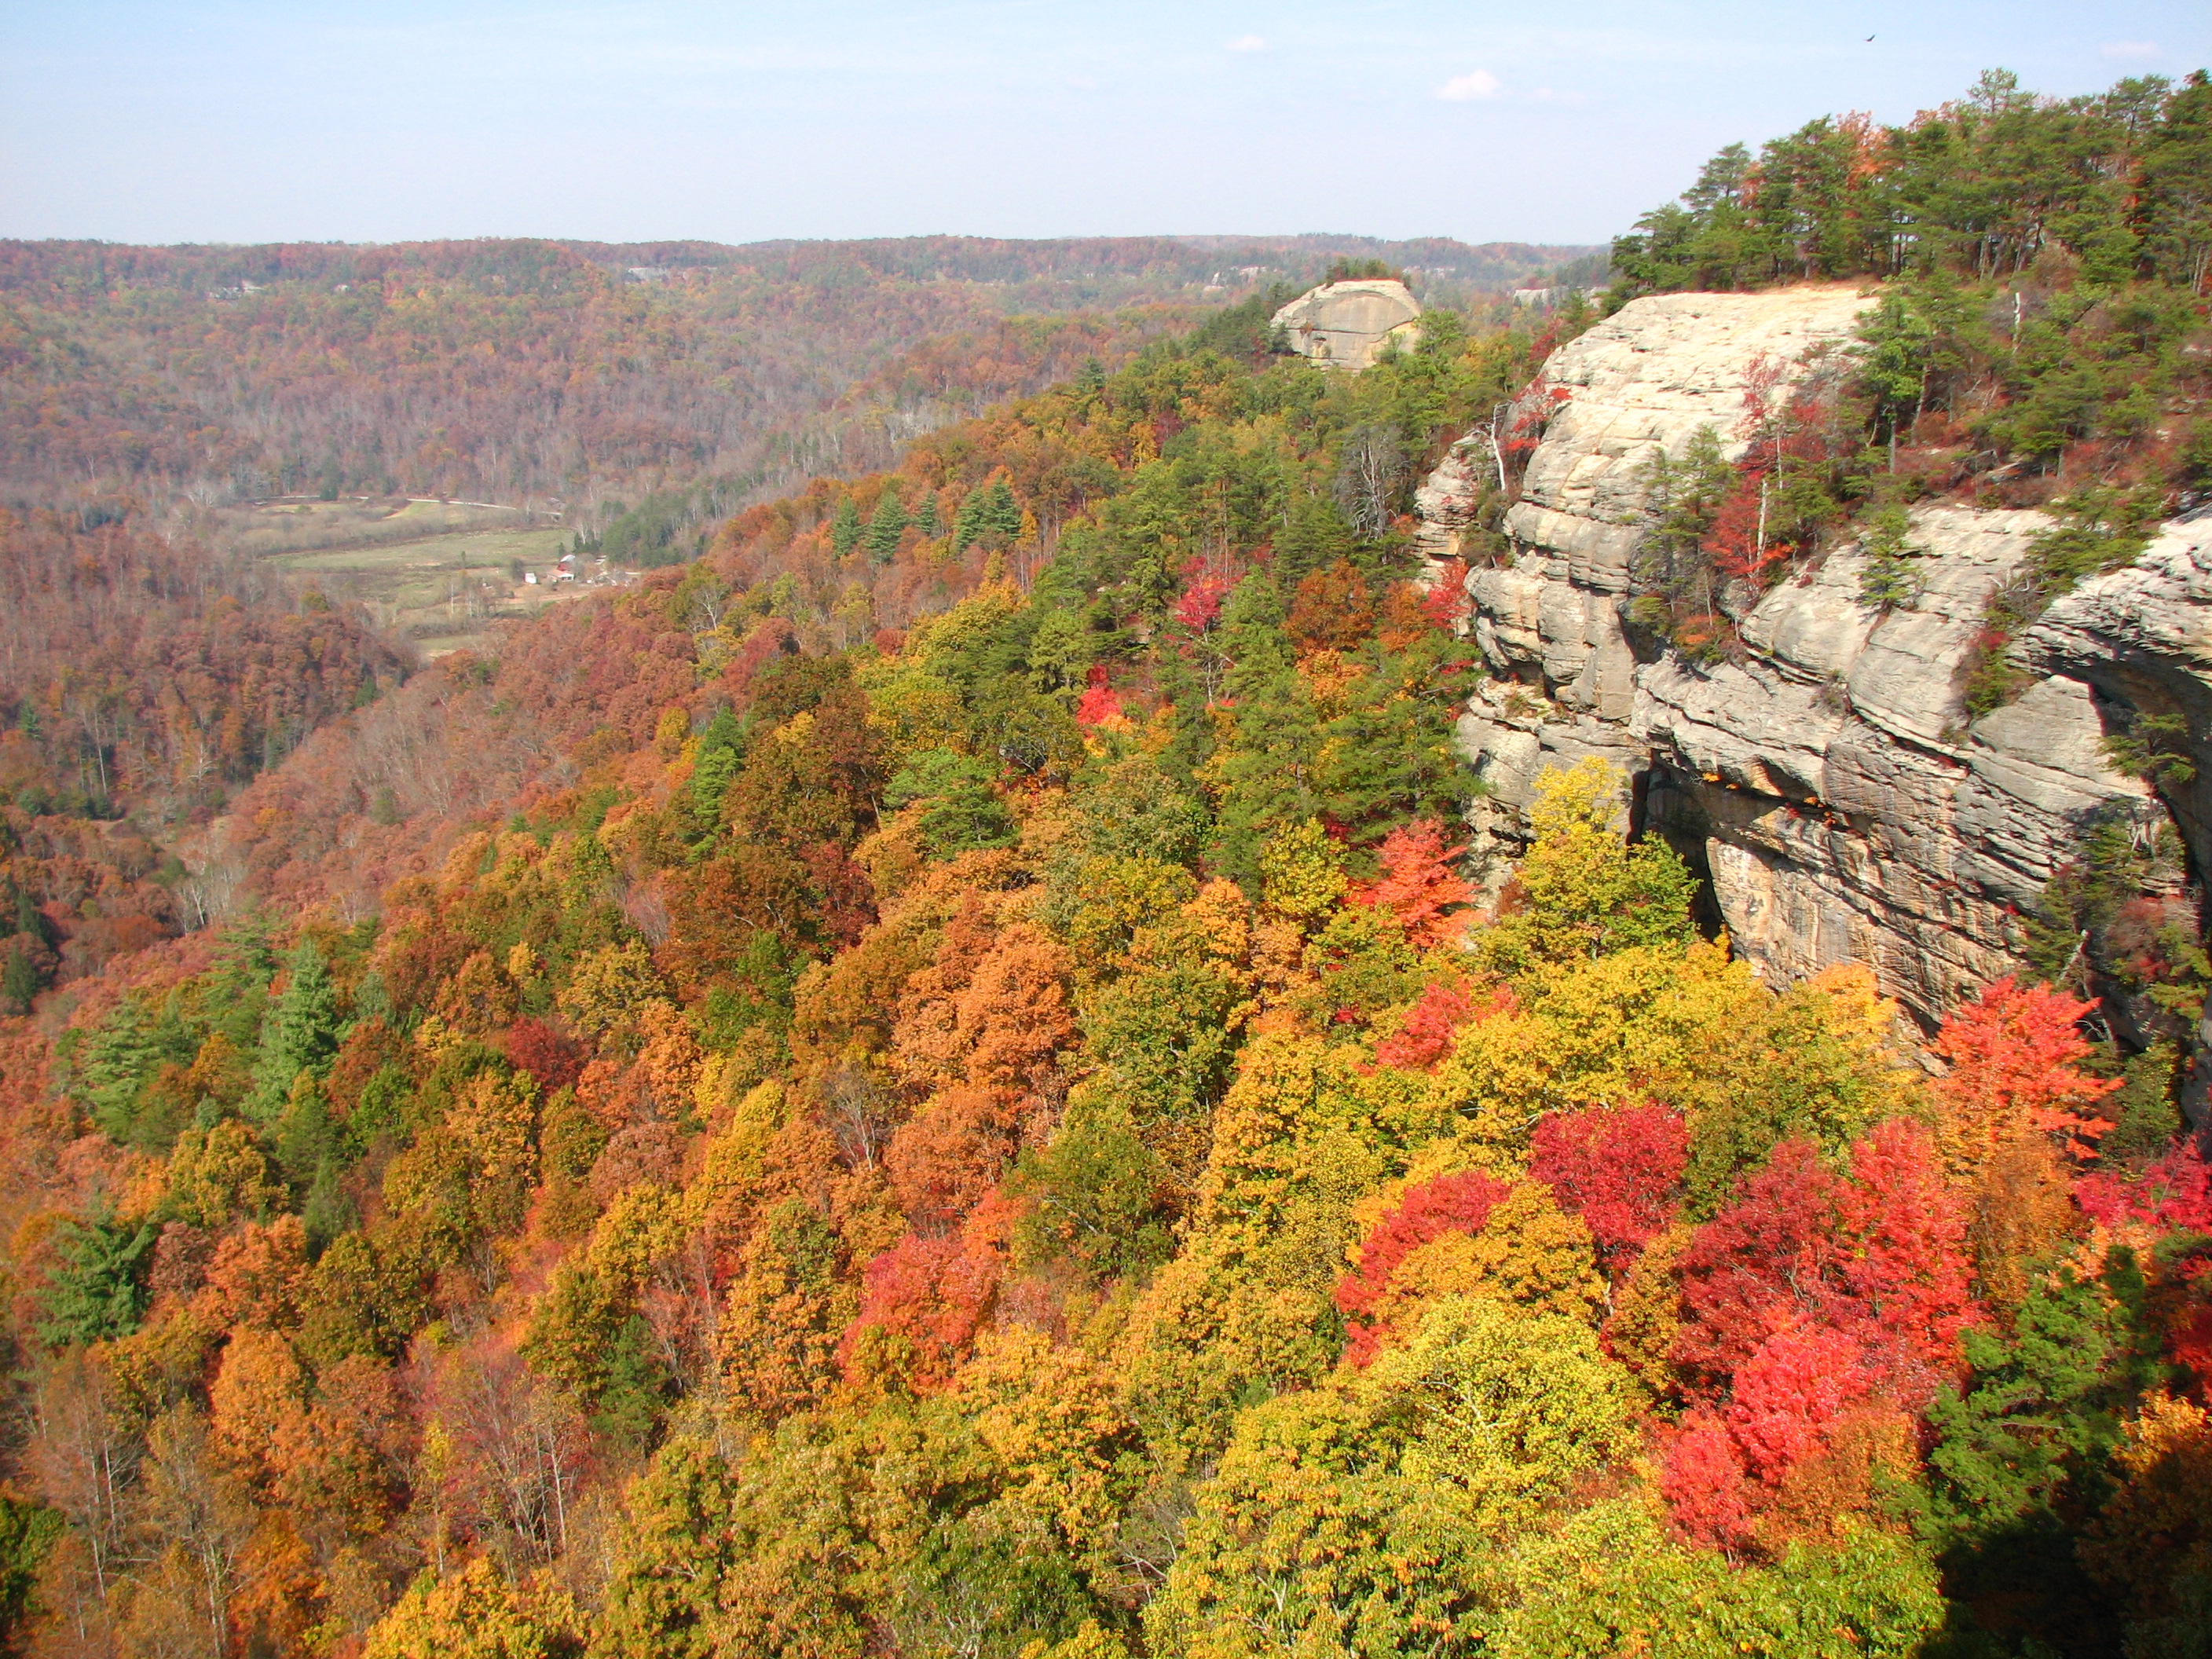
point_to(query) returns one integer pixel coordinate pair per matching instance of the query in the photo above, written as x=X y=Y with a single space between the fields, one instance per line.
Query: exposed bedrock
x=1344 y=325
x=1845 y=807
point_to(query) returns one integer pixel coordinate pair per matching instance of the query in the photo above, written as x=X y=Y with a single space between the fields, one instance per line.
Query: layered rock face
x=2143 y=636
x=1845 y=808
x=1344 y=325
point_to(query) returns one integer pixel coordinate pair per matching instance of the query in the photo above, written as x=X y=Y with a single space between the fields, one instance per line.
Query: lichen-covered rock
x=1344 y=325
x=1827 y=776
x=1549 y=623
x=1446 y=500
x=2142 y=635
x=1645 y=379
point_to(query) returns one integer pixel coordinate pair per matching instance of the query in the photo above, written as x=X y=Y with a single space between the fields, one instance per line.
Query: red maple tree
x=1449 y=1204
x=2014 y=1058
x=1098 y=704
x=1616 y=1168
x=1879 y=1254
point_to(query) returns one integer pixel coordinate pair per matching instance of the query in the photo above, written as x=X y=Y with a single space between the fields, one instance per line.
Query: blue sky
x=250 y=121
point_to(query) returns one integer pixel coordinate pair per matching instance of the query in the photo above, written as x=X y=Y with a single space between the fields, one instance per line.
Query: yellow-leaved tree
x=478 y=1613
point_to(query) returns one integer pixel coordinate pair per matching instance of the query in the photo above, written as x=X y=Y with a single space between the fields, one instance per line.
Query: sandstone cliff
x=1828 y=777
x=1344 y=325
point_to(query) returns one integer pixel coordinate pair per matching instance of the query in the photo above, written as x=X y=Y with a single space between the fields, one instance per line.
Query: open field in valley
x=437 y=572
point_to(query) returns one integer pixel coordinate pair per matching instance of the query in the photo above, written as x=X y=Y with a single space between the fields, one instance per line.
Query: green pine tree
x=1315 y=535
x=307 y=1137
x=1001 y=512
x=27 y=1531
x=962 y=813
x=845 y=528
x=1389 y=758
x=888 y=525
x=239 y=994
x=115 y=1063
x=715 y=764
x=965 y=525
x=19 y=982
x=634 y=1388
x=2042 y=1407
x=2022 y=1452
x=925 y=516
x=328 y=1209
x=301 y=1036
x=96 y=1291
x=1269 y=770
x=992 y=512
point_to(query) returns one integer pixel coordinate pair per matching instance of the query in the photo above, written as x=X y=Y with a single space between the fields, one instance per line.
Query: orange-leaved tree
x=2015 y=1069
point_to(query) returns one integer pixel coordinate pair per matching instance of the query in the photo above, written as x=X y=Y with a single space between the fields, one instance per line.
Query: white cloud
x=1247 y=43
x=1465 y=88
x=2130 y=49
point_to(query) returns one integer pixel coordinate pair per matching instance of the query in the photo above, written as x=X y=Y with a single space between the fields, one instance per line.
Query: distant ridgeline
x=633 y=396
x=567 y=373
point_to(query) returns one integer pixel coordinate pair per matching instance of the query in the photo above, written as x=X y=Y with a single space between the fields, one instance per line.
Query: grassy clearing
x=284 y=527
x=435 y=573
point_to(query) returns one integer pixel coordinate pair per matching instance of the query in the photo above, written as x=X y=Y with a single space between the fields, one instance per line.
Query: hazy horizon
x=1230 y=239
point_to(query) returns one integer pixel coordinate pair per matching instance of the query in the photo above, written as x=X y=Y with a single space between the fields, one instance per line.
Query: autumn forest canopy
x=929 y=1076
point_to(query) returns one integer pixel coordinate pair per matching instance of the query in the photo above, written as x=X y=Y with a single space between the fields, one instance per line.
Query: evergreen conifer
x=114 y=1063
x=95 y=1292
x=19 y=982
x=991 y=512
x=845 y=528
x=302 y=1035
x=887 y=526
x=1315 y=536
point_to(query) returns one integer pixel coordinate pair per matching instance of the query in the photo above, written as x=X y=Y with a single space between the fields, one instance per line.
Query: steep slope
x=143 y=682
x=929 y=1083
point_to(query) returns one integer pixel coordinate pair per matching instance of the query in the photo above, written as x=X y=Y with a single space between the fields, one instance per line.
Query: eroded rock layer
x=1344 y=325
x=1828 y=776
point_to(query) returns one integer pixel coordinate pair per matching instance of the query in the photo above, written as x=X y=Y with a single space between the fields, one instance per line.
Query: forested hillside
x=576 y=375
x=2041 y=338
x=631 y=395
x=929 y=1083
x=142 y=683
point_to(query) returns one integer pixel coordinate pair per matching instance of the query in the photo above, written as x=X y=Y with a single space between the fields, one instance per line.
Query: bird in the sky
x=1871 y=36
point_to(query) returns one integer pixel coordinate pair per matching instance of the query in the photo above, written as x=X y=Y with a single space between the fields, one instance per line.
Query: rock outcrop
x=1344 y=325
x=2142 y=637
x=1827 y=775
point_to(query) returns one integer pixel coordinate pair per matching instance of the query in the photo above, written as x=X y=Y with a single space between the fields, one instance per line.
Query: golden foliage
x=1529 y=1253
x=2157 y=1527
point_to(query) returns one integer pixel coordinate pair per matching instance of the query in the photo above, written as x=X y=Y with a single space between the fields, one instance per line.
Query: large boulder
x=1344 y=325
